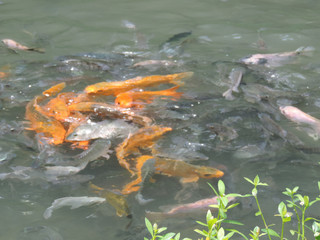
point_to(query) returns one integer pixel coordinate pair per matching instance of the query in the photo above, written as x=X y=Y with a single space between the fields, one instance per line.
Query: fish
x=108 y=110
x=182 y=210
x=137 y=98
x=114 y=88
x=275 y=59
x=17 y=46
x=225 y=133
x=142 y=139
x=104 y=129
x=72 y=202
x=115 y=199
x=235 y=76
x=53 y=131
x=296 y=115
x=149 y=63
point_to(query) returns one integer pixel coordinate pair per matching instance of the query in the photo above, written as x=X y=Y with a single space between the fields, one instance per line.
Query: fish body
x=275 y=59
x=109 y=110
x=115 y=199
x=137 y=98
x=104 y=129
x=296 y=115
x=235 y=77
x=72 y=202
x=183 y=209
x=114 y=88
x=142 y=139
x=51 y=128
x=17 y=46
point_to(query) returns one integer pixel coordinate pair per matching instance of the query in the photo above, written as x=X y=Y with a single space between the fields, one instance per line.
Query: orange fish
x=51 y=128
x=17 y=46
x=171 y=167
x=135 y=98
x=142 y=139
x=114 y=88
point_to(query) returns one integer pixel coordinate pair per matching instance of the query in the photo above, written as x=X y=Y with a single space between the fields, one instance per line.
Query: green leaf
x=236 y=231
x=177 y=237
x=235 y=195
x=233 y=222
x=256 y=180
x=319 y=186
x=149 y=226
x=201 y=223
x=145 y=238
x=306 y=201
x=221 y=188
x=214 y=206
x=203 y=233
x=224 y=201
x=311 y=218
x=295 y=189
x=232 y=206
x=160 y=230
x=271 y=232
x=292 y=232
x=257 y=213
x=209 y=216
x=282 y=209
x=220 y=234
x=254 y=192
x=249 y=180
x=286 y=219
x=213 y=189
x=168 y=236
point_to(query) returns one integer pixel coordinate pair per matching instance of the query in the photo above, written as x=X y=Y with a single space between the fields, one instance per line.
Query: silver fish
x=73 y=202
x=275 y=59
x=105 y=129
x=235 y=77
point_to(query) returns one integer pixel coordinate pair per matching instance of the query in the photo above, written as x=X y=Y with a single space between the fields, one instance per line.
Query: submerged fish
x=104 y=129
x=114 y=88
x=139 y=98
x=17 y=46
x=115 y=199
x=296 y=115
x=235 y=77
x=72 y=202
x=275 y=59
x=183 y=209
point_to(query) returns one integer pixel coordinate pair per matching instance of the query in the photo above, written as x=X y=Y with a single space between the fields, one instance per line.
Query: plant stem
x=282 y=228
x=264 y=221
x=302 y=223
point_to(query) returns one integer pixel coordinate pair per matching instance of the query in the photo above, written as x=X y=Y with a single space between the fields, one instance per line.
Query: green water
x=222 y=33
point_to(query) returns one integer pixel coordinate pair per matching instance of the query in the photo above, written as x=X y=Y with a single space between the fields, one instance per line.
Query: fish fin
x=228 y=94
x=39 y=50
x=305 y=51
x=189 y=179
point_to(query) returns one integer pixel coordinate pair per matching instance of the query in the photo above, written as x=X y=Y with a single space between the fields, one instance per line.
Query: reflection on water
x=245 y=135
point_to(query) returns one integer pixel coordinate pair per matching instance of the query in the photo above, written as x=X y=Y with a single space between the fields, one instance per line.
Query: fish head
x=209 y=172
x=256 y=59
x=124 y=100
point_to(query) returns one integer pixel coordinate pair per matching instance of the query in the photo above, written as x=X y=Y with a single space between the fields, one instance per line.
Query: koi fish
x=114 y=88
x=134 y=98
x=296 y=115
x=171 y=167
x=17 y=46
x=73 y=202
x=275 y=59
x=109 y=110
x=143 y=138
x=51 y=128
x=115 y=199
x=183 y=209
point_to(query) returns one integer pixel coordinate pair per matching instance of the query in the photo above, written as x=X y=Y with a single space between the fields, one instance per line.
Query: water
x=222 y=33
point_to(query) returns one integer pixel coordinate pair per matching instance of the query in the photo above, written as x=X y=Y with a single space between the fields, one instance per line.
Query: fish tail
x=175 y=78
x=305 y=51
x=48 y=212
x=39 y=50
x=172 y=92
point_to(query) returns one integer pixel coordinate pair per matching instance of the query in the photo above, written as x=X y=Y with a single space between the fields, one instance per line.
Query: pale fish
x=235 y=77
x=104 y=129
x=17 y=46
x=275 y=59
x=184 y=209
x=73 y=202
x=296 y=115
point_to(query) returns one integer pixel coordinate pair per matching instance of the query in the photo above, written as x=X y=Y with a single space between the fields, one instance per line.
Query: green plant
x=215 y=231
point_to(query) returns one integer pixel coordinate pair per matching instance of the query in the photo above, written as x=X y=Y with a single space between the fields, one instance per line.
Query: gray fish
x=73 y=202
x=235 y=77
x=275 y=59
x=105 y=129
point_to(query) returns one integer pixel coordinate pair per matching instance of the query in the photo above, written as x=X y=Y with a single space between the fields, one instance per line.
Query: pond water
x=93 y=41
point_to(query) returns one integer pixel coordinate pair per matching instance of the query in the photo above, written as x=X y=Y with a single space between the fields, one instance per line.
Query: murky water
x=217 y=34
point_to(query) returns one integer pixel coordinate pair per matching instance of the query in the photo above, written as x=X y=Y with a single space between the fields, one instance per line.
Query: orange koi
x=143 y=138
x=114 y=88
x=104 y=109
x=41 y=123
x=54 y=89
x=17 y=46
x=133 y=98
x=171 y=167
